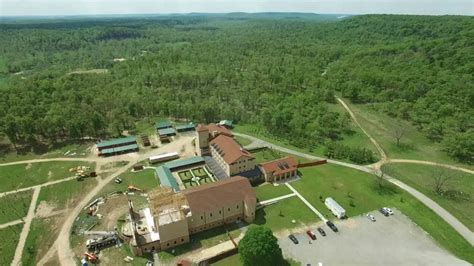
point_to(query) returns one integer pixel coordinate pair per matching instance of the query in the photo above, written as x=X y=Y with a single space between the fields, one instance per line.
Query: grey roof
x=166 y=131
x=111 y=142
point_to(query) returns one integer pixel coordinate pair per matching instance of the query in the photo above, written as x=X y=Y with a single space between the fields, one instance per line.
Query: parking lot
x=393 y=240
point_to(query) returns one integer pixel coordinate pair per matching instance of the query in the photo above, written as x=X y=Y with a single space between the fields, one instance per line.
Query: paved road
x=26 y=228
x=62 y=244
x=445 y=215
x=307 y=203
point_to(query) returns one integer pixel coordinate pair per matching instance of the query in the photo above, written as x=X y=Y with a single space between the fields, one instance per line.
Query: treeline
x=278 y=73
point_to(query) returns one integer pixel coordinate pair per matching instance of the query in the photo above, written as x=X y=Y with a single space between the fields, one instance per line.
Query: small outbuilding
x=226 y=123
x=167 y=132
x=186 y=127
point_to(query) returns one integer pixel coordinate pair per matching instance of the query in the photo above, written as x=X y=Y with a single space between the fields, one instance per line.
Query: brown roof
x=229 y=149
x=280 y=166
x=209 y=197
x=213 y=127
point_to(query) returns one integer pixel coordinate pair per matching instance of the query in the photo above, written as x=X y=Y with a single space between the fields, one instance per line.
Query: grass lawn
x=356 y=138
x=268 y=191
x=26 y=175
x=347 y=185
x=421 y=178
x=203 y=239
x=65 y=194
x=143 y=179
x=413 y=144
x=185 y=175
x=199 y=172
x=9 y=236
x=280 y=215
x=267 y=154
x=243 y=141
x=43 y=232
x=76 y=150
x=14 y=206
x=234 y=260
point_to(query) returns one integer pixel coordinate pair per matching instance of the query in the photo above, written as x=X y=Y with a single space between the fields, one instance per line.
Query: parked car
x=384 y=212
x=371 y=217
x=321 y=231
x=332 y=226
x=388 y=210
x=293 y=239
x=118 y=180
x=311 y=234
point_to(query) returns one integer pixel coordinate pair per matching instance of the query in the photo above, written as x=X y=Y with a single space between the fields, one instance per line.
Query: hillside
x=279 y=73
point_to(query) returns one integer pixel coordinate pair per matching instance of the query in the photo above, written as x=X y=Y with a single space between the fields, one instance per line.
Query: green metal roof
x=184 y=127
x=226 y=122
x=184 y=162
x=163 y=124
x=166 y=178
x=119 y=149
x=118 y=141
x=166 y=131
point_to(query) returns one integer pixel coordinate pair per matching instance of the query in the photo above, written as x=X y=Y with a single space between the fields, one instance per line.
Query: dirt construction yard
x=393 y=240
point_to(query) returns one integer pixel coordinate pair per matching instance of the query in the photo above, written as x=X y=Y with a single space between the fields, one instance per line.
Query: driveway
x=393 y=240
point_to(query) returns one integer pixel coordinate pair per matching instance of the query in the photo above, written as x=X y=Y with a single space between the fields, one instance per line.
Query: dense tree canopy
x=276 y=71
x=260 y=247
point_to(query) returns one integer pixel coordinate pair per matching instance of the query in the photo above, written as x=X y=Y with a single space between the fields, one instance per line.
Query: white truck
x=335 y=208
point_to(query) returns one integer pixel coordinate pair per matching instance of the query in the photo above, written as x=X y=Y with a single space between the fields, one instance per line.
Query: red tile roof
x=229 y=149
x=213 y=127
x=280 y=166
x=213 y=196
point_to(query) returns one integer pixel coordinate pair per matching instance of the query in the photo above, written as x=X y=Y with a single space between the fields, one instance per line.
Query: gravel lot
x=393 y=240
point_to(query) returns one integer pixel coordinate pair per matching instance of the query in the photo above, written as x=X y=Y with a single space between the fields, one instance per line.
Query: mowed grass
x=242 y=140
x=268 y=191
x=9 y=236
x=458 y=198
x=267 y=154
x=143 y=179
x=280 y=215
x=43 y=233
x=65 y=194
x=15 y=206
x=348 y=186
x=413 y=144
x=233 y=260
x=26 y=175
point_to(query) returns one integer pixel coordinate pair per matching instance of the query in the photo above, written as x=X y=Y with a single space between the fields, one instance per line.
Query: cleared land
x=73 y=150
x=359 y=242
x=268 y=191
x=359 y=193
x=143 y=179
x=26 y=175
x=458 y=195
x=267 y=154
x=68 y=193
x=9 y=236
x=413 y=144
x=90 y=71
x=14 y=206
x=43 y=232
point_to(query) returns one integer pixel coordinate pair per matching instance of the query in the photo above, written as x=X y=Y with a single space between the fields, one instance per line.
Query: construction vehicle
x=101 y=243
x=133 y=188
x=90 y=257
x=81 y=172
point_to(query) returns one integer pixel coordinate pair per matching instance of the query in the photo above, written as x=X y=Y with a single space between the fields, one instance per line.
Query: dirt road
x=65 y=254
x=26 y=228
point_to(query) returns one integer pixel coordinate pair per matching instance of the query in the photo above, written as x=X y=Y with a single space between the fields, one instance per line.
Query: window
x=182 y=239
x=228 y=209
x=219 y=212
x=237 y=206
x=175 y=242
x=167 y=244
x=202 y=218
x=210 y=214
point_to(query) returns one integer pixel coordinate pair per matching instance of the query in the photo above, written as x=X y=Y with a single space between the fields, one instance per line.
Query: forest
x=277 y=71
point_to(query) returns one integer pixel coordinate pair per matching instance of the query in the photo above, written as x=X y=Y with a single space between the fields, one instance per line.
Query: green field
x=65 y=194
x=242 y=141
x=359 y=193
x=234 y=260
x=413 y=144
x=9 y=236
x=27 y=175
x=14 y=206
x=267 y=191
x=267 y=154
x=43 y=232
x=76 y=150
x=280 y=215
x=144 y=179
x=458 y=197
